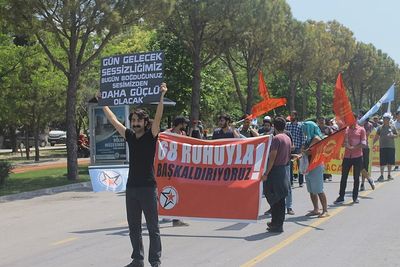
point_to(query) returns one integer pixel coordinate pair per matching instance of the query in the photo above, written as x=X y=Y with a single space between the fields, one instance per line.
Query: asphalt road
x=89 y=229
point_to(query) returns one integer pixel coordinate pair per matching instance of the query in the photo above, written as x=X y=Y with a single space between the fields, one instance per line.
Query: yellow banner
x=335 y=166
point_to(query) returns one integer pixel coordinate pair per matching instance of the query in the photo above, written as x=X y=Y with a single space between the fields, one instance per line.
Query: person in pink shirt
x=355 y=141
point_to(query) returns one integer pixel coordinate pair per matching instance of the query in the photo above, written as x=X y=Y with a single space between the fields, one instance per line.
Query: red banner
x=216 y=179
x=341 y=105
x=326 y=149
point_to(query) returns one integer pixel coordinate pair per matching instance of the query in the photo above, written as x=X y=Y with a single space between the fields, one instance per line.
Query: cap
x=387 y=115
x=267 y=118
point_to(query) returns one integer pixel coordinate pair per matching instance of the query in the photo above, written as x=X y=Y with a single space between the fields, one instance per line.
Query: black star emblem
x=168 y=198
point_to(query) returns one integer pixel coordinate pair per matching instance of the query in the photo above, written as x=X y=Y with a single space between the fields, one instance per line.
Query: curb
x=47 y=191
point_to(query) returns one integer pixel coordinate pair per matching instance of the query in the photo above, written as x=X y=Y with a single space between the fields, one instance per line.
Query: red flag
x=267 y=103
x=326 y=149
x=341 y=105
x=262 y=87
x=265 y=106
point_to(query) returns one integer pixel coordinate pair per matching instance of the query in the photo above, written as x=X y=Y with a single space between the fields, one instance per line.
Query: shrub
x=5 y=170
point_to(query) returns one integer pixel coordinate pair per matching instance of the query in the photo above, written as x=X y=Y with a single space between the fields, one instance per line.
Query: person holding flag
x=355 y=141
x=315 y=177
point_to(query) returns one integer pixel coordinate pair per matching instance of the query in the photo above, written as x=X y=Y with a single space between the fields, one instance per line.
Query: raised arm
x=114 y=121
x=155 y=127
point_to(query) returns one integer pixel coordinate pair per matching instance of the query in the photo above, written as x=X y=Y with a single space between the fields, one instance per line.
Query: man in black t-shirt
x=141 y=191
x=225 y=130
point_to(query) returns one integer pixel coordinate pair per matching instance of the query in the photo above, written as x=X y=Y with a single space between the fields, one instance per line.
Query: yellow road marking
x=67 y=240
x=301 y=232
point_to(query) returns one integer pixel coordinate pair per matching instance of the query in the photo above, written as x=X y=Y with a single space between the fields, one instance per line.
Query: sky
x=376 y=22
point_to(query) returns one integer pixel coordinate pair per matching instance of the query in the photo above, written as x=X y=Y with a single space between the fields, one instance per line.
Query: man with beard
x=179 y=126
x=266 y=127
x=275 y=177
x=397 y=126
x=141 y=191
x=180 y=123
x=386 y=134
x=246 y=130
x=225 y=130
x=296 y=130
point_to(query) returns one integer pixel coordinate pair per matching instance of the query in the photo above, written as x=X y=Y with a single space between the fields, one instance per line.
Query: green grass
x=45 y=155
x=34 y=180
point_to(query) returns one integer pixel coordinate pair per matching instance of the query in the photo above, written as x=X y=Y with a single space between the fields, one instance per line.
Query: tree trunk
x=304 y=111
x=318 y=93
x=27 y=149
x=360 y=100
x=237 y=84
x=36 y=136
x=72 y=147
x=13 y=138
x=292 y=96
x=250 y=91
x=196 y=83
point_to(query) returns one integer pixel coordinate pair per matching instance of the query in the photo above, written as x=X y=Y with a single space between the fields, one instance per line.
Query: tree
x=202 y=26
x=81 y=28
x=260 y=30
x=40 y=95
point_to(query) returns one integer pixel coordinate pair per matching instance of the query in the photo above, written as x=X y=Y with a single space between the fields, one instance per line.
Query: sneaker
x=330 y=178
x=177 y=223
x=275 y=229
x=380 y=179
x=390 y=177
x=135 y=263
x=339 y=200
x=355 y=201
x=371 y=183
x=362 y=187
x=300 y=185
x=396 y=168
x=290 y=211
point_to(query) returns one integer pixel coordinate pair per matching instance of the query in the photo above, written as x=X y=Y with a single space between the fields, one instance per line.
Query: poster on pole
x=132 y=79
x=109 y=144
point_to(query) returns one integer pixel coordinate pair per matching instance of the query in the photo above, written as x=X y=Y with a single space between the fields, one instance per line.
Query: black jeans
x=347 y=163
x=144 y=199
x=278 y=213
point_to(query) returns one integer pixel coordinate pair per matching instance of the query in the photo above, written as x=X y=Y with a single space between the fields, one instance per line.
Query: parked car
x=57 y=137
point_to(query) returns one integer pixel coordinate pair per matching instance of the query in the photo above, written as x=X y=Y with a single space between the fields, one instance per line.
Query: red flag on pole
x=265 y=106
x=267 y=103
x=326 y=149
x=262 y=87
x=341 y=105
